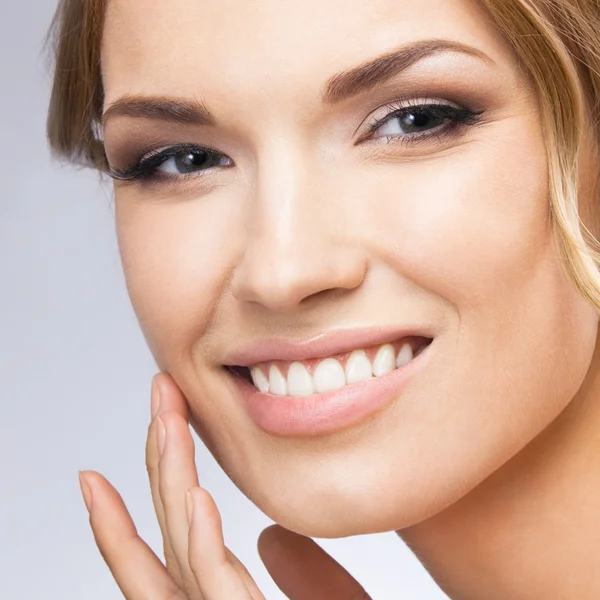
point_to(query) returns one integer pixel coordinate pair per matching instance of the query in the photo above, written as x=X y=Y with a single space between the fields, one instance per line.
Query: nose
x=300 y=242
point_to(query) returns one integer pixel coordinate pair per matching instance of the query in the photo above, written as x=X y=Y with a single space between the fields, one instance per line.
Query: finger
x=152 y=468
x=177 y=474
x=169 y=397
x=165 y=396
x=216 y=577
x=243 y=574
x=137 y=570
x=303 y=570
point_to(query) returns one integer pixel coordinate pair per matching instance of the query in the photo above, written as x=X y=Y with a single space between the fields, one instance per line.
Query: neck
x=532 y=529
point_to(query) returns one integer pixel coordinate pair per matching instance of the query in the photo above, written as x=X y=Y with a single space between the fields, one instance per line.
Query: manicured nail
x=189 y=507
x=155 y=398
x=161 y=433
x=86 y=491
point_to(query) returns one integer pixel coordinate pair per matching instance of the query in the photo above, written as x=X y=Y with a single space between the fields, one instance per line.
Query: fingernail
x=155 y=398
x=86 y=491
x=161 y=433
x=189 y=507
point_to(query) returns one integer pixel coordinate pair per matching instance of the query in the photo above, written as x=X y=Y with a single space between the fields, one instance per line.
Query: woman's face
x=346 y=201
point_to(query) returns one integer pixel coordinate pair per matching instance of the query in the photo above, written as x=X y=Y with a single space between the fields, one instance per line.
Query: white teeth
x=299 y=381
x=329 y=375
x=358 y=367
x=259 y=379
x=385 y=361
x=277 y=383
x=405 y=355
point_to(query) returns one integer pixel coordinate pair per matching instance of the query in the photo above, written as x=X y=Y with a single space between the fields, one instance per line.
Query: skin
x=484 y=465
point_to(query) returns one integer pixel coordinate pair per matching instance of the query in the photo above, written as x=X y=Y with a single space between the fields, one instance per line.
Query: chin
x=357 y=508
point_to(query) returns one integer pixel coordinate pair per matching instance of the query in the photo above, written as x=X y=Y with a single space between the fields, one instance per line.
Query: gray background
x=75 y=372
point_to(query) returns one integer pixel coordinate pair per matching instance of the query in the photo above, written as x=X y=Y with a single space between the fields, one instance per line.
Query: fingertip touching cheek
x=334 y=223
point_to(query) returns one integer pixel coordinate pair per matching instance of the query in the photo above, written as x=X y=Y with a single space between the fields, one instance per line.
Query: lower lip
x=321 y=414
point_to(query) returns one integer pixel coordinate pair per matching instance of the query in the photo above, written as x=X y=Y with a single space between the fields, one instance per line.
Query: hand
x=198 y=564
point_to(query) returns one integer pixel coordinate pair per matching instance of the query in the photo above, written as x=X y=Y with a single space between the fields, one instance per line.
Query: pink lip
x=329 y=343
x=321 y=414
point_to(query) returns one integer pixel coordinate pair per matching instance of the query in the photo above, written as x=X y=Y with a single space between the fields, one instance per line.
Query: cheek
x=469 y=227
x=474 y=230
x=176 y=258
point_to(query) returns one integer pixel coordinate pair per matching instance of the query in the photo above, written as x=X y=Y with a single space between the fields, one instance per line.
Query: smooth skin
x=488 y=462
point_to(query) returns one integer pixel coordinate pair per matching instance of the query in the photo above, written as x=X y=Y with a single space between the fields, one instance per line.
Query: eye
x=420 y=121
x=411 y=121
x=191 y=161
x=174 y=162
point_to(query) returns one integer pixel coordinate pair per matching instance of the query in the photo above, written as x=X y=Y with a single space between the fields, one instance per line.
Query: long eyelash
x=457 y=118
x=144 y=169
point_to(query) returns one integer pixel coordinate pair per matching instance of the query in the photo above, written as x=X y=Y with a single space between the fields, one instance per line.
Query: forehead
x=253 y=47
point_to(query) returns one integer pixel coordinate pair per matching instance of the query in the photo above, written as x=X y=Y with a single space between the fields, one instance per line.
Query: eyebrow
x=374 y=72
x=340 y=87
x=184 y=112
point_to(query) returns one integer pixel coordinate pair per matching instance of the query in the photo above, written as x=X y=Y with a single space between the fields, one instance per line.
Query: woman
x=351 y=234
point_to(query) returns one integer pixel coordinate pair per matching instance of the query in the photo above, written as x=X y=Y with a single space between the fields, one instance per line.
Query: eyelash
x=454 y=116
x=144 y=170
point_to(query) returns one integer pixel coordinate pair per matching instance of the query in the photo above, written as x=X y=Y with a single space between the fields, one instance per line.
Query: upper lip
x=327 y=343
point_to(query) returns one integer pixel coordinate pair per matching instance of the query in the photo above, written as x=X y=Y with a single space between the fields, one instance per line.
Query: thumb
x=303 y=570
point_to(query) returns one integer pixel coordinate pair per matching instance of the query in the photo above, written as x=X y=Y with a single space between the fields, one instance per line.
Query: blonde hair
x=557 y=41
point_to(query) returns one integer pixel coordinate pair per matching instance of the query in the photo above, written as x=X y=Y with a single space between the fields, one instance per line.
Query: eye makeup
x=185 y=157
x=418 y=120
x=406 y=122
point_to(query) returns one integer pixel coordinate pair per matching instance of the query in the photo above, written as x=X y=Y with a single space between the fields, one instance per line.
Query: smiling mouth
x=325 y=374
